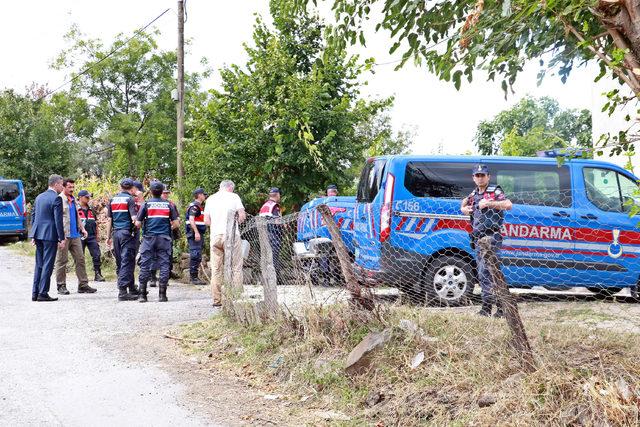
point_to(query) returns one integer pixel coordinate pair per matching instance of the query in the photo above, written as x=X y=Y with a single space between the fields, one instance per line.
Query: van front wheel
x=448 y=281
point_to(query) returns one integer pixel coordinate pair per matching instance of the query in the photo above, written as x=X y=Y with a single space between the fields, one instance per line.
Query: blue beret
x=83 y=193
x=274 y=190
x=126 y=183
x=156 y=186
x=138 y=185
x=198 y=191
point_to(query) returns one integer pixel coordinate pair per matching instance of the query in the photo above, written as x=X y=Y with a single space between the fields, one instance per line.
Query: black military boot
x=62 y=289
x=196 y=281
x=162 y=294
x=133 y=289
x=123 y=295
x=98 y=277
x=86 y=289
x=485 y=310
x=143 y=293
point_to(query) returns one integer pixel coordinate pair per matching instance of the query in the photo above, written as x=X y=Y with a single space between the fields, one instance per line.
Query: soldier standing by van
x=486 y=206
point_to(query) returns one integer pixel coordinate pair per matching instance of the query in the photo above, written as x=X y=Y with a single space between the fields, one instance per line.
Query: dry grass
x=584 y=377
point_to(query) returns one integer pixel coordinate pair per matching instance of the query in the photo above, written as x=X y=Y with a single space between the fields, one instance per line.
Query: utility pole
x=180 y=107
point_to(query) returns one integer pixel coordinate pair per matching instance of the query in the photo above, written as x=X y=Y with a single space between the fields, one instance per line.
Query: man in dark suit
x=47 y=234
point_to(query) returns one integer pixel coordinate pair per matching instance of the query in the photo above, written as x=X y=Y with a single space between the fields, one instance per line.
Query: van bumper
x=15 y=232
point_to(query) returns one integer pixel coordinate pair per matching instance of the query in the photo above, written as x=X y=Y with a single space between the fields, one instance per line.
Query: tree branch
x=633 y=84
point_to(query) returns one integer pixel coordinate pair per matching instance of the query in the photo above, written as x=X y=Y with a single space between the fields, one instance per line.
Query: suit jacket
x=46 y=217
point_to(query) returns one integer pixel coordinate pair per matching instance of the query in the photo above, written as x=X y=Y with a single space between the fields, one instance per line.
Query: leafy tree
x=129 y=96
x=33 y=141
x=534 y=125
x=291 y=117
x=453 y=39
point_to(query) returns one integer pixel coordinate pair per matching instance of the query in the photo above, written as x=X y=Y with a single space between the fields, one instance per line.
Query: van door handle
x=589 y=216
x=561 y=214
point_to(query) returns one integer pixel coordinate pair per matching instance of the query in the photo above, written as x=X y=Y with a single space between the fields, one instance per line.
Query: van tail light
x=24 y=204
x=385 y=211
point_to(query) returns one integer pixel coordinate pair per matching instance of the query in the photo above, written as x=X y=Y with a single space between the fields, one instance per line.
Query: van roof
x=498 y=159
x=10 y=180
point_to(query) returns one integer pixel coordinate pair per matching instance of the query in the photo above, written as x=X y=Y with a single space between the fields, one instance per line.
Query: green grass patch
x=583 y=314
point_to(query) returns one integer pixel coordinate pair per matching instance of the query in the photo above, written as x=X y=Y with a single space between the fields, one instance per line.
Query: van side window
x=370 y=180
x=540 y=185
x=609 y=190
x=443 y=180
x=8 y=191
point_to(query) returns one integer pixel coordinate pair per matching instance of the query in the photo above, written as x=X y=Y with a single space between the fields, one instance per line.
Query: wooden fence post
x=508 y=302
x=269 y=278
x=230 y=237
x=345 y=261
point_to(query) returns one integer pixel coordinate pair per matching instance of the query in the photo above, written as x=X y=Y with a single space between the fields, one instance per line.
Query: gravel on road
x=72 y=362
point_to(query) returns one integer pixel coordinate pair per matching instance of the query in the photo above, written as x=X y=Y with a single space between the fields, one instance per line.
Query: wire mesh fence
x=426 y=255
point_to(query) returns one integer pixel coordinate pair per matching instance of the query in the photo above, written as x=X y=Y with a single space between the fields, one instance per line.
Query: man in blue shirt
x=73 y=230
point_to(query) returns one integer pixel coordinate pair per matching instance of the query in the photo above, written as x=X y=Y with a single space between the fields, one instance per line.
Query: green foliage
x=534 y=125
x=132 y=114
x=291 y=117
x=33 y=141
x=456 y=39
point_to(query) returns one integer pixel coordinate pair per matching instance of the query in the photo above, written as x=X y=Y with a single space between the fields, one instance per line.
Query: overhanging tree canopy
x=453 y=39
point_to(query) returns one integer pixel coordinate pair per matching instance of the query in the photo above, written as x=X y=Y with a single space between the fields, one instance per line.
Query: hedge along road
x=70 y=362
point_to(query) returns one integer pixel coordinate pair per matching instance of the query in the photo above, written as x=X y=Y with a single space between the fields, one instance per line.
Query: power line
x=77 y=76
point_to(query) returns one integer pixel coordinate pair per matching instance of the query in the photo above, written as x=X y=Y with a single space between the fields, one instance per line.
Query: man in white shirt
x=216 y=215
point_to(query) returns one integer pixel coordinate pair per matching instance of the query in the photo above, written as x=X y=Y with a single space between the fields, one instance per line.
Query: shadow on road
x=6 y=241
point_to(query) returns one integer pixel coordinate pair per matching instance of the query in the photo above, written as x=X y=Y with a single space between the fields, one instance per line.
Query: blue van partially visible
x=13 y=209
x=569 y=226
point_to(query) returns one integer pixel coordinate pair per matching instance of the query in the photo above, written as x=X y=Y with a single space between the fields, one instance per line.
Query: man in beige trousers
x=216 y=214
x=73 y=231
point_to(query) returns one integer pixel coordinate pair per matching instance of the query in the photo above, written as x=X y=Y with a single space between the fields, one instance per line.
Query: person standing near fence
x=47 y=235
x=486 y=206
x=88 y=219
x=73 y=230
x=271 y=210
x=332 y=190
x=159 y=217
x=217 y=212
x=195 y=231
x=121 y=211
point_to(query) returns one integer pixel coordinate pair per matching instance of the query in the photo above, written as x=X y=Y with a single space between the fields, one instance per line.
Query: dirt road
x=87 y=359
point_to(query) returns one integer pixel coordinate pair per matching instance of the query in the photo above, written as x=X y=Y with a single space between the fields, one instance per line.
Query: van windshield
x=9 y=191
x=370 y=180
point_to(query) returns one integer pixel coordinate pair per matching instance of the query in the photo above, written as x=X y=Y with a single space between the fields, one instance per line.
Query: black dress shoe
x=34 y=297
x=45 y=297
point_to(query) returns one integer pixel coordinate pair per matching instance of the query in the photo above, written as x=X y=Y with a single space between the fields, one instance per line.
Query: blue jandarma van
x=569 y=226
x=13 y=211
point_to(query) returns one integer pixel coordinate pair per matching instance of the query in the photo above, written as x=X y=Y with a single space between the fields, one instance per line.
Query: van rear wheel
x=448 y=281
